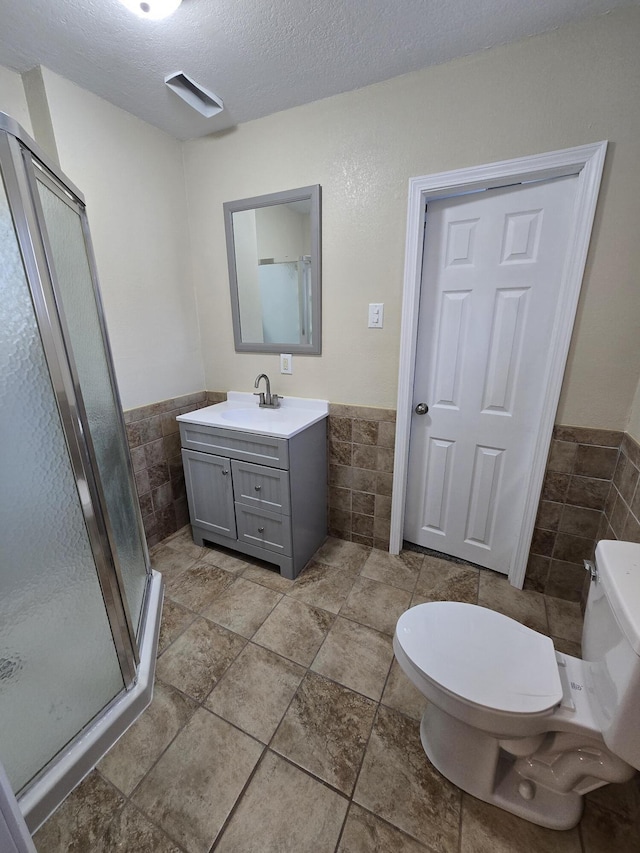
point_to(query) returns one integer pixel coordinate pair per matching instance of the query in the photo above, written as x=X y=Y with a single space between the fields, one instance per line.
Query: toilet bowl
x=515 y=723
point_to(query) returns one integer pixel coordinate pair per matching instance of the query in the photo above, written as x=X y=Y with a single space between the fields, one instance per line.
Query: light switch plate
x=285 y=363
x=376 y=315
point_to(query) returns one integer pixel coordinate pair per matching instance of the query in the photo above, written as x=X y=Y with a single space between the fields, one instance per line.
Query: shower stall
x=79 y=604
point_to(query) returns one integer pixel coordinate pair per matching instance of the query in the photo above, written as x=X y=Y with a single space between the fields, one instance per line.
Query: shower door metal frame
x=32 y=164
x=17 y=154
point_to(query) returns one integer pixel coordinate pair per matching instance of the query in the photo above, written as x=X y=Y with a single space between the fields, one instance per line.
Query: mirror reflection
x=273 y=244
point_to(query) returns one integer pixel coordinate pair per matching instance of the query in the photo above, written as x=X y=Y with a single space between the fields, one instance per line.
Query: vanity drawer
x=261 y=487
x=249 y=447
x=264 y=529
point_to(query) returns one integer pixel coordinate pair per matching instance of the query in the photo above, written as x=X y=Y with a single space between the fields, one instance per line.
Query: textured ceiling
x=259 y=56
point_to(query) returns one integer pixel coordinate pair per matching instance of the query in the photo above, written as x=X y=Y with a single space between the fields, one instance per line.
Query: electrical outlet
x=285 y=363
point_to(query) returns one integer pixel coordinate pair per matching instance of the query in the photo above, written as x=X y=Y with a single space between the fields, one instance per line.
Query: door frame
x=585 y=161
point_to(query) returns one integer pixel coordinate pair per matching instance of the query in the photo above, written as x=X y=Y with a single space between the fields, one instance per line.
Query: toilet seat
x=481 y=657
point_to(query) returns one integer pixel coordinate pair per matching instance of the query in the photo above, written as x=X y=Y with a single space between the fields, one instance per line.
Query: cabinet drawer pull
x=261 y=530
x=257 y=488
x=225 y=471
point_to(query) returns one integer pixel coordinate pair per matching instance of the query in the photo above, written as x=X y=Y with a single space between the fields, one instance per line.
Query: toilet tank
x=611 y=647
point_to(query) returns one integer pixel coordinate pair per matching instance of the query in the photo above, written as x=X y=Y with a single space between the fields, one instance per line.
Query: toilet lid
x=481 y=656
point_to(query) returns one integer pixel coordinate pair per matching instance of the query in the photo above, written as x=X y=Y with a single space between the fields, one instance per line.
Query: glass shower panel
x=58 y=664
x=73 y=273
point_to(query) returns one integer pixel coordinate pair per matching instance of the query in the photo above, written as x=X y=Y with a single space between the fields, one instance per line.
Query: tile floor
x=280 y=721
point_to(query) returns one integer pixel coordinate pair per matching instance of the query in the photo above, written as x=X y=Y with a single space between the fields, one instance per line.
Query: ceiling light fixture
x=154 y=10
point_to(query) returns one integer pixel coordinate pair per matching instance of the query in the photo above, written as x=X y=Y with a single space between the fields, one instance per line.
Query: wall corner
x=38 y=104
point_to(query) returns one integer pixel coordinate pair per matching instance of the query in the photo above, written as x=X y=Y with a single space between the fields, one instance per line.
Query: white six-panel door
x=492 y=266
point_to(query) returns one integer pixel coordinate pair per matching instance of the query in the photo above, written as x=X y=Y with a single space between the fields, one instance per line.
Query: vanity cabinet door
x=209 y=491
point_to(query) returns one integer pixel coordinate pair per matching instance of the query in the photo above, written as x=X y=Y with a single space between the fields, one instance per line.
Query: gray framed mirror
x=273 y=251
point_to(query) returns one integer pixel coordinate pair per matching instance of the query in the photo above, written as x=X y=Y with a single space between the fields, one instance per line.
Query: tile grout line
x=268 y=747
x=129 y=802
x=236 y=805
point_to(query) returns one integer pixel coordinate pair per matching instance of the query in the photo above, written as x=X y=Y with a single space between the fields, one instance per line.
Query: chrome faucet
x=266 y=399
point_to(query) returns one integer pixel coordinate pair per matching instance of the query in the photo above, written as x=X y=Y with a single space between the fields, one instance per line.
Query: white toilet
x=517 y=724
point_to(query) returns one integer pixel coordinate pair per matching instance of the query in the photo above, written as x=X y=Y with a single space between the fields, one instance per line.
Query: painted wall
x=576 y=85
x=133 y=180
x=633 y=427
x=12 y=98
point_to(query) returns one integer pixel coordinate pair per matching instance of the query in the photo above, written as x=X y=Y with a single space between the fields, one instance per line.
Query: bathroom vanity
x=256 y=478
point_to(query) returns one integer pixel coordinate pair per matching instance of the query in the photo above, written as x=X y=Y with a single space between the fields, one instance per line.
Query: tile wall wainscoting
x=154 y=442
x=621 y=516
x=361 y=442
x=588 y=495
x=590 y=489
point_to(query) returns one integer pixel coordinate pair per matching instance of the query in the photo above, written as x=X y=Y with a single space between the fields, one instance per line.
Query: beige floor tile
x=565 y=619
x=294 y=630
x=183 y=544
x=171 y=561
x=197 y=586
x=604 y=831
x=230 y=561
x=440 y=580
x=567 y=647
x=184 y=533
x=141 y=745
x=623 y=799
x=323 y=586
x=398 y=784
x=345 y=555
x=82 y=819
x=243 y=607
x=402 y=695
x=325 y=731
x=175 y=620
x=198 y=658
x=523 y=605
x=375 y=604
x=401 y=570
x=256 y=690
x=284 y=810
x=365 y=833
x=487 y=829
x=356 y=656
x=131 y=831
x=193 y=787
x=269 y=577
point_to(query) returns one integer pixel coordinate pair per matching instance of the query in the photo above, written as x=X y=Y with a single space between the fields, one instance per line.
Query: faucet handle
x=260 y=395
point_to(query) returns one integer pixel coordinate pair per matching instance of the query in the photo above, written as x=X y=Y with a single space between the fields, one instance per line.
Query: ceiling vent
x=196 y=96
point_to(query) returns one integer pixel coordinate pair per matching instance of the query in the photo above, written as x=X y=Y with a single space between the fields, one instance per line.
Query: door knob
x=225 y=471
x=421 y=409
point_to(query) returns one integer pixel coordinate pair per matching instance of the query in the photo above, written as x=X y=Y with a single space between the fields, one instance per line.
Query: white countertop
x=241 y=412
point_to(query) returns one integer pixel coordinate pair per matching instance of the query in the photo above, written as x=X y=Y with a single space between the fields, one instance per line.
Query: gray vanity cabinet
x=261 y=495
x=210 y=492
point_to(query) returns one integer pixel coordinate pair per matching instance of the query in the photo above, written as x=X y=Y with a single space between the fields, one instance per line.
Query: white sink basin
x=241 y=412
x=255 y=418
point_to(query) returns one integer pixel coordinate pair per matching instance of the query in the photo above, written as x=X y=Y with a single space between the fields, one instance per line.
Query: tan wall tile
x=364 y=480
x=365 y=456
x=363 y=502
x=365 y=432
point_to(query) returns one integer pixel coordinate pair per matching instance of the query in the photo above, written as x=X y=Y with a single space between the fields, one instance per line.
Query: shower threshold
x=56 y=781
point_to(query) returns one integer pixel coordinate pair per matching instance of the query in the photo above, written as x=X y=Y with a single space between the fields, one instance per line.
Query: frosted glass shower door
x=77 y=302
x=58 y=663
